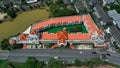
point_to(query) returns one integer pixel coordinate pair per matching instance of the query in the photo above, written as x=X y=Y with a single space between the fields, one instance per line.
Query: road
x=66 y=55
x=4 y=54
x=45 y=55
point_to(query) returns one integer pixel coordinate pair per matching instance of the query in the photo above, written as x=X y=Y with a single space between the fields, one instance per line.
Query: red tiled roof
x=23 y=36
x=79 y=36
x=100 y=32
x=33 y=31
x=57 y=21
x=62 y=35
x=46 y=36
x=90 y=23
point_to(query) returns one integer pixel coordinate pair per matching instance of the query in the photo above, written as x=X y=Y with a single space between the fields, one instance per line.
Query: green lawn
x=60 y=28
x=22 y=22
x=4 y=64
x=18 y=64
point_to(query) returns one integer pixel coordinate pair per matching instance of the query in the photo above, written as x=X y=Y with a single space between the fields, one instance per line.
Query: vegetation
x=116 y=7
x=117 y=48
x=31 y=62
x=58 y=9
x=21 y=22
x=4 y=45
x=5 y=64
x=11 y=13
x=113 y=6
x=50 y=45
x=54 y=64
x=1 y=21
x=24 y=2
x=93 y=62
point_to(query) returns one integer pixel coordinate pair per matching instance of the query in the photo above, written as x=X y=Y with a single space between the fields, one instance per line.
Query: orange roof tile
x=62 y=35
x=23 y=36
x=100 y=32
x=59 y=20
x=33 y=32
x=90 y=23
x=46 y=36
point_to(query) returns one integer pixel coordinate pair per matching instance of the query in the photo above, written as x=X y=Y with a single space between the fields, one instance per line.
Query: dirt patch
x=2 y=15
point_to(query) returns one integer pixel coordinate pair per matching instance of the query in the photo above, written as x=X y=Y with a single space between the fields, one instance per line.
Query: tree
x=5 y=64
x=78 y=63
x=54 y=64
x=1 y=21
x=24 y=2
x=11 y=13
x=33 y=63
x=16 y=46
x=5 y=44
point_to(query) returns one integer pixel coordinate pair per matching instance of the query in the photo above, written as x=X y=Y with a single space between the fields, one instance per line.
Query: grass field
x=18 y=64
x=4 y=64
x=60 y=28
x=21 y=22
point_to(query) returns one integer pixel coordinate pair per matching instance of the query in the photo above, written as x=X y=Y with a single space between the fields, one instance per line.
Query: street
x=66 y=55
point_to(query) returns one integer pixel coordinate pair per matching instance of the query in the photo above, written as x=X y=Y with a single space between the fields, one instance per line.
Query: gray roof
x=102 y=13
x=118 y=23
x=116 y=17
x=115 y=33
x=16 y=1
x=66 y=1
x=93 y=2
x=109 y=1
x=118 y=0
x=6 y=1
x=79 y=6
x=112 y=12
x=1 y=3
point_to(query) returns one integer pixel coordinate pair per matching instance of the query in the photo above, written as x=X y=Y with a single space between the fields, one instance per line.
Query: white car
x=56 y=57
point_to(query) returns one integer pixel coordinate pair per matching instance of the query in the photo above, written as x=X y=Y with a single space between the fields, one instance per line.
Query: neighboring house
x=101 y=14
x=16 y=2
x=92 y=2
x=116 y=34
x=1 y=3
x=105 y=2
x=112 y=12
x=79 y=7
x=115 y=16
x=66 y=1
x=6 y=2
x=118 y=1
x=31 y=1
